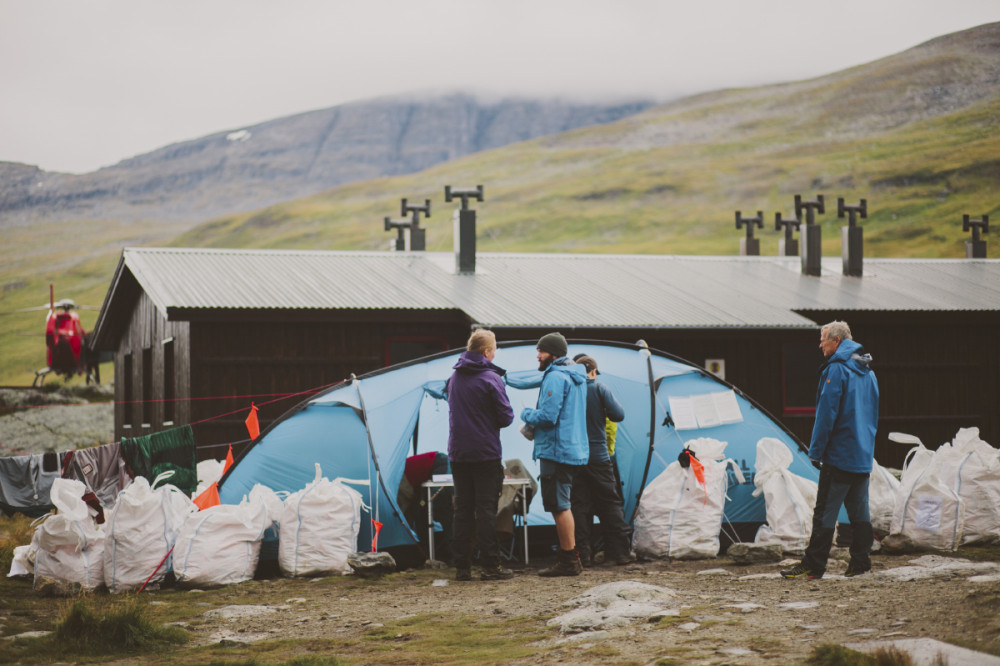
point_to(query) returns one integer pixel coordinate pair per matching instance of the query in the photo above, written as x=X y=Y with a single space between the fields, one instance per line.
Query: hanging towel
x=102 y=470
x=174 y=449
x=25 y=483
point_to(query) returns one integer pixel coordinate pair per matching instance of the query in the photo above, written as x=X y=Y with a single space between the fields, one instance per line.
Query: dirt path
x=720 y=612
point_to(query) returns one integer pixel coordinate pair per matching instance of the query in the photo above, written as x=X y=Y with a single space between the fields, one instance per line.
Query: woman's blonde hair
x=481 y=340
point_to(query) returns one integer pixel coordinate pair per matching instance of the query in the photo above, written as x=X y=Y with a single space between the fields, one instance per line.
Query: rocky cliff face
x=288 y=158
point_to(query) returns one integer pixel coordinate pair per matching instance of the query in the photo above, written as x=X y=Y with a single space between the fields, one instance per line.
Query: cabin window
x=128 y=391
x=147 y=387
x=400 y=349
x=801 y=361
x=168 y=382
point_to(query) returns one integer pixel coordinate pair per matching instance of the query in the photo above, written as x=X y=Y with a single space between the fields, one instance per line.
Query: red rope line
x=281 y=396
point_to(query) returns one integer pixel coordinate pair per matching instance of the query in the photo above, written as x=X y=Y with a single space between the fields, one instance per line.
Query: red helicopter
x=68 y=350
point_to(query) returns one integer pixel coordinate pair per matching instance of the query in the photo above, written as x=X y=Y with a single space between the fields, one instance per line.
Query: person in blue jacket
x=559 y=420
x=843 y=448
x=478 y=408
x=595 y=489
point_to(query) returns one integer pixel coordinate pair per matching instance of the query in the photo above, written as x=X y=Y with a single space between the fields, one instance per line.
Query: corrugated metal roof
x=189 y=278
x=569 y=290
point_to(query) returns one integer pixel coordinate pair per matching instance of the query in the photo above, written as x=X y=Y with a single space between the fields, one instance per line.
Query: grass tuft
x=14 y=531
x=101 y=625
x=829 y=654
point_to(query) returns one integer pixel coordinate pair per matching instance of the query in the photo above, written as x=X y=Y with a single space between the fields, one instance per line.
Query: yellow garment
x=610 y=432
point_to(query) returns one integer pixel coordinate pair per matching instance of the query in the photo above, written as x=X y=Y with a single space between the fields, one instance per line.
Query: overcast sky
x=86 y=83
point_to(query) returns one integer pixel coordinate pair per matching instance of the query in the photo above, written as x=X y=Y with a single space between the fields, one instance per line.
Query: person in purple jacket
x=478 y=410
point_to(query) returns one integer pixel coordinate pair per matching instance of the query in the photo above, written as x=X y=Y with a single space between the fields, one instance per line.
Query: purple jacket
x=478 y=409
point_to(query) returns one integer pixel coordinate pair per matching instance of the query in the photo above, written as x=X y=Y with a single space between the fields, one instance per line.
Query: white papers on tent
x=706 y=410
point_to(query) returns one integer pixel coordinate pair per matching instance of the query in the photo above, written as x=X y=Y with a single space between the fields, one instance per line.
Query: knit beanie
x=553 y=343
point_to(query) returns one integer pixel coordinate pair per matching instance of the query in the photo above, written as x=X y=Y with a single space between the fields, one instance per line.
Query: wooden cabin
x=199 y=334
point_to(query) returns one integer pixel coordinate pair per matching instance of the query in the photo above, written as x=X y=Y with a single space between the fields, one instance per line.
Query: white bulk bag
x=680 y=518
x=221 y=544
x=882 y=488
x=977 y=482
x=319 y=528
x=209 y=471
x=789 y=499
x=141 y=531
x=928 y=510
x=68 y=545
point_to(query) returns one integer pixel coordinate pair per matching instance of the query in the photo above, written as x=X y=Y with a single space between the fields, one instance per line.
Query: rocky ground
x=698 y=612
x=71 y=417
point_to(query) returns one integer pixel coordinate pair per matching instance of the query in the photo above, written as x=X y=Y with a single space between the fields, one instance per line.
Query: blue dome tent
x=363 y=429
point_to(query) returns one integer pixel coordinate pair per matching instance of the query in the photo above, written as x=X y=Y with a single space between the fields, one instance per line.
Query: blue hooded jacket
x=478 y=408
x=846 y=411
x=560 y=417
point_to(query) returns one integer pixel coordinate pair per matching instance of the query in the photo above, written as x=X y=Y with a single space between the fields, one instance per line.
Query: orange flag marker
x=253 y=427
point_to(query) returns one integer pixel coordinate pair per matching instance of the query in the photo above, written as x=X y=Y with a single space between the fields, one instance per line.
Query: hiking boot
x=798 y=571
x=854 y=570
x=567 y=564
x=463 y=573
x=622 y=560
x=585 y=559
x=496 y=572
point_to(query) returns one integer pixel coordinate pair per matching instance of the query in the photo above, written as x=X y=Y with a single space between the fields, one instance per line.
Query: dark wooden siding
x=937 y=372
x=236 y=362
x=142 y=411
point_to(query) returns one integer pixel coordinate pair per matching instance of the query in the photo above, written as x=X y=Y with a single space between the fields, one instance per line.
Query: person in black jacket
x=595 y=492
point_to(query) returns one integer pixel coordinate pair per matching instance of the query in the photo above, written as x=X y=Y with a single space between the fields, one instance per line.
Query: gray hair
x=837 y=329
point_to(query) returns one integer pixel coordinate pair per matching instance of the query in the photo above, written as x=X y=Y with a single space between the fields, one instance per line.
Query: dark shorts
x=557 y=485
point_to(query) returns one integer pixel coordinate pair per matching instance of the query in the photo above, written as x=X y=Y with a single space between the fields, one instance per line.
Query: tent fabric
x=365 y=429
x=173 y=450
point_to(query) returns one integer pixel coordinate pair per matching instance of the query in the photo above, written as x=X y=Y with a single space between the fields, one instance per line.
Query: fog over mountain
x=287 y=158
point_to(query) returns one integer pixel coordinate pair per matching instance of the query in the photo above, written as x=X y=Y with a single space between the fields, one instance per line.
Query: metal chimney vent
x=852 y=239
x=464 y=221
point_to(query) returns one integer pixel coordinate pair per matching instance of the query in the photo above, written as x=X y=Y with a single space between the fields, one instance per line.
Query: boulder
x=749 y=553
x=371 y=565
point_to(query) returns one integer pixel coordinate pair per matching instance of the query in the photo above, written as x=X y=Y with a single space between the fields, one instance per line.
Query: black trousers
x=596 y=492
x=477 y=492
x=836 y=488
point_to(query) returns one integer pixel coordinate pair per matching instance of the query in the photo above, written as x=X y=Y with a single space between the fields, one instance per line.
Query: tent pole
x=652 y=426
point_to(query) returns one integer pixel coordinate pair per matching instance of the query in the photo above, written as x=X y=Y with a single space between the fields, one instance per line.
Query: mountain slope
x=289 y=158
x=915 y=134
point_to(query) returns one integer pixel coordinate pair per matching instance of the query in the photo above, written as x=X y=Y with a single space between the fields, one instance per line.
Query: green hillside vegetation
x=916 y=134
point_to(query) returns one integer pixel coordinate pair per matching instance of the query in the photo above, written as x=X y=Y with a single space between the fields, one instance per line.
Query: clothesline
x=279 y=398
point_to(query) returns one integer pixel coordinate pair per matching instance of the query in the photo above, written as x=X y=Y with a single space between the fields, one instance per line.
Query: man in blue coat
x=842 y=448
x=478 y=408
x=560 y=434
